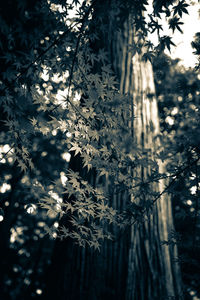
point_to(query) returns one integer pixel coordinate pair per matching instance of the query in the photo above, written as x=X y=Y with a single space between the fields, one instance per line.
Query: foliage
x=31 y=105
x=196 y=46
x=60 y=97
x=178 y=98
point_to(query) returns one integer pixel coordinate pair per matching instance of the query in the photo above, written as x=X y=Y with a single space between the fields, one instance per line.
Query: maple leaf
x=102 y=56
x=104 y=172
x=33 y=121
x=69 y=207
x=75 y=148
x=166 y=41
x=74 y=183
x=44 y=130
x=22 y=165
x=148 y=56
x=174 y=24
x=180 y=8
x=154 y=25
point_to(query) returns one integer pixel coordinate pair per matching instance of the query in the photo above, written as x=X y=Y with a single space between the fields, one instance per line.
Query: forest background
x=51 y=125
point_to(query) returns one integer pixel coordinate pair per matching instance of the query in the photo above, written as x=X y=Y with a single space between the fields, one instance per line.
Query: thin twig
x=158 y=178
x=5 y=154
x=76 y=52
x=157 y=198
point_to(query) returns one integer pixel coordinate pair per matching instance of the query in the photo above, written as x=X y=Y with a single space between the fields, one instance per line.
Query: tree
x=177 y=90
x=21 y=35
x=130 y=267
x=108 y=113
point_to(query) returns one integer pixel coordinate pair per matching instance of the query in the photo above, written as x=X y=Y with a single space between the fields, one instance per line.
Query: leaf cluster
x=82 y=112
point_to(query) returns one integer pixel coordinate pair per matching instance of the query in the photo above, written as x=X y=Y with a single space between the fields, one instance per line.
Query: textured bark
x=152 y=274
x=136 y=266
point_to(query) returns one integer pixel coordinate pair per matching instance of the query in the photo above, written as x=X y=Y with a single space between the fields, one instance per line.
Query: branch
x=55 y=42
x=157 y=198
x=5 y=154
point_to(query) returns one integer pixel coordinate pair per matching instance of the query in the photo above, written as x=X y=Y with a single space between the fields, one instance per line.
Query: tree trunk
x=136 y=266
x=152 y=274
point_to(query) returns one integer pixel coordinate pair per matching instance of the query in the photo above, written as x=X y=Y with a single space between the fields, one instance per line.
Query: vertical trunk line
x=138 y=81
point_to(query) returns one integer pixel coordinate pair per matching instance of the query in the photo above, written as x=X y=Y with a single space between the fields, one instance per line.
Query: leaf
x=104 y=172
x=69 y=207
x=160 y=4
x=154 y=25
x=33 y=121
x=196 y=44
x=44 y=130
x=180 y=8
x=75 y=148
x=22 y=165
x=148 y=56
x=174 y=24
x=166 y=41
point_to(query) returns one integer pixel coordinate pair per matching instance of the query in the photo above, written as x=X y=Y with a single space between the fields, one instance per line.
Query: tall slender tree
x=136 y=265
